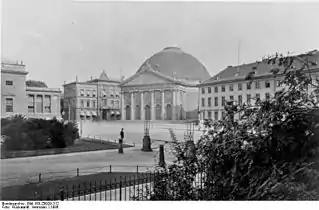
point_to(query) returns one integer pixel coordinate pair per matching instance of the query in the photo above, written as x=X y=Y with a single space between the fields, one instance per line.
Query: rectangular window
x=223 y=115
x=240 y=100
x=94 y=103
x=9 y=82
x=267 y=84
x=209 y=114
x=216 y=89
x=82 y=103
x=216 y=115
x=257 y=84
x=216 y=101
x=231 y=98
x=248 y=86
x=248 y=99
x=257 y=97
x=209 y=90
x=209 y=101
x=223 y=88
x=278 y=83
x=203 y=90
x=231 y=87
x=203 y=102
x=94 y=93
x=105 y=102
x=31 y=103
x=88 y=93
x=88 y=103
x=267 y=96
x=9 y=104
x=47 y=104
x=240 y=86
x=39 y=104
x=82 y=92
x=223 y=100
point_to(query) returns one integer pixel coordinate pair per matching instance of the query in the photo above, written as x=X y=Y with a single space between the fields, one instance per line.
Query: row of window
x=92 y=93
x=31 y=107
x=216 y=115
x=231 y=98
x=35 y=104
x=257 y=85
x=104 y=102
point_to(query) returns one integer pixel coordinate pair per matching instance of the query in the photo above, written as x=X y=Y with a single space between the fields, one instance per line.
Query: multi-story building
x=231 y=84
x=18 y=98
x=96 y=98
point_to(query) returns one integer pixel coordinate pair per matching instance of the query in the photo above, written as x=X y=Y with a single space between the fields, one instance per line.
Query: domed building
x=164 y=87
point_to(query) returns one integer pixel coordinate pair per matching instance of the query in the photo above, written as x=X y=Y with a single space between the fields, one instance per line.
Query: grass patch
x=81 y=145
x=75 y=186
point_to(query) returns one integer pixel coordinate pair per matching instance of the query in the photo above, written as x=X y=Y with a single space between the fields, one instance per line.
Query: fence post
x=62 y=194
x=110 y=168
x=77 y=172
x=120 y=188
x=40 y=180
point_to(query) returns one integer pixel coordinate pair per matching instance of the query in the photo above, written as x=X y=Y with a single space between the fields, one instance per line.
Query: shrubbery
x=269 y=153
x=21 y=133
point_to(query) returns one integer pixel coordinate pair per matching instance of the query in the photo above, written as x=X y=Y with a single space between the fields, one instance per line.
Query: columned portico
x=132 y=106
x=142 y=106
x=153 y=106
x=174 y=105
x=163 y=105
x=122 y=106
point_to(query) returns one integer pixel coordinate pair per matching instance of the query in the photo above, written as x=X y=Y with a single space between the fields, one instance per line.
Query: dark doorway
x=128 y=112
x=169 y=112
x=137 y=112
x=158 y=112
x=147 y=112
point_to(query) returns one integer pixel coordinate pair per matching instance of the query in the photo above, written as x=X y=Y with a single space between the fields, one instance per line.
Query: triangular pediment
x=146 y=78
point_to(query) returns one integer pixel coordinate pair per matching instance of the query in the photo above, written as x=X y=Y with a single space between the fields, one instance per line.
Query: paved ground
x=22 y=170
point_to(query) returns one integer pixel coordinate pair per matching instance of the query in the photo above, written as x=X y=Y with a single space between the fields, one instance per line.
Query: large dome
x=173 y=60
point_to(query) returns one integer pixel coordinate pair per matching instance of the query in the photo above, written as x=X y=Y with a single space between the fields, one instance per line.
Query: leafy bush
x=33 y=134
x=268 y=153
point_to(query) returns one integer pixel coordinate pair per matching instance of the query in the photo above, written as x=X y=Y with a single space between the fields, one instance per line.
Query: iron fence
x=141 y=186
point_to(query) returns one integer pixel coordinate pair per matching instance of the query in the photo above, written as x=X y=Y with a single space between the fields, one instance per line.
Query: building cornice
x=18 y=72
x=243 y=79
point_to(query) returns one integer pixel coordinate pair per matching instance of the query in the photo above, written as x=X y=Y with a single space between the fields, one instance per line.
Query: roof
x=261 y=68
x=173 y=62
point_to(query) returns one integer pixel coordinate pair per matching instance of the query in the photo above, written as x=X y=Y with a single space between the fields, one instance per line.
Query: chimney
x=21 y=62
x=91 y=78
x=76 y=78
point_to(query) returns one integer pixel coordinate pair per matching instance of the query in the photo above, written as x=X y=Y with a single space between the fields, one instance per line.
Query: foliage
x=266 y=153
x=34 y=134
x=35 y=83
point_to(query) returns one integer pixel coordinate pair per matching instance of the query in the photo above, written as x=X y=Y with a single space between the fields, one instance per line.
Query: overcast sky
x=58 y=40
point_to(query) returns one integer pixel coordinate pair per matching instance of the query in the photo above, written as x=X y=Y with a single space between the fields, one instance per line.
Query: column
x=152 y=106
x=174 y=105
x=142 y=106
x=163 y=105
x=132 y=106
x=43 y=107
x=122 y=106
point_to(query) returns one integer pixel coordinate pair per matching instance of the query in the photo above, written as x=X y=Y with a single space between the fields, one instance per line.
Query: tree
x=35 y=83
x=269 y=153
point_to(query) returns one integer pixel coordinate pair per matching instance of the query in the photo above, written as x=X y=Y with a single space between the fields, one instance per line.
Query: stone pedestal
x=147 y=144
x=161 y=156
x=121 y=146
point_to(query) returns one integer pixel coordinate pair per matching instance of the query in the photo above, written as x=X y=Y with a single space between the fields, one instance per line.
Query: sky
x=61 y=39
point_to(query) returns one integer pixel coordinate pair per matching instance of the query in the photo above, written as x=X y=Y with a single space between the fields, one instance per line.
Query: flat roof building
x=18 y=98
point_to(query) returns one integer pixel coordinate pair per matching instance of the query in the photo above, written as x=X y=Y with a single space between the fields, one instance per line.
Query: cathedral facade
x=163 y=88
